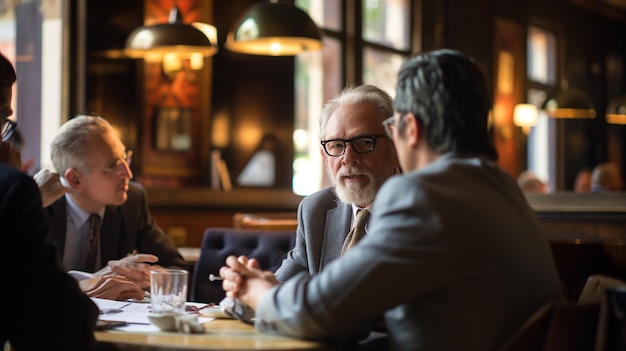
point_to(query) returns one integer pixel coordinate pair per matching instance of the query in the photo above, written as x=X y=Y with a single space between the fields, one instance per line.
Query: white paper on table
x=80 y=275
x=136 y=314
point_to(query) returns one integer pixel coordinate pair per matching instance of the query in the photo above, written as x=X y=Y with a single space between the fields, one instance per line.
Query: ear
x=413 y=130
x=73 y=178
x=323 y=153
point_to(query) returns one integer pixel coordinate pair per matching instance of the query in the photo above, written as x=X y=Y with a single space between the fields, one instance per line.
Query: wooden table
x=220 y=334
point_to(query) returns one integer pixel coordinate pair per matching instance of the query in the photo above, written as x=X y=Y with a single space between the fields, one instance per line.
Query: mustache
x=352 y=171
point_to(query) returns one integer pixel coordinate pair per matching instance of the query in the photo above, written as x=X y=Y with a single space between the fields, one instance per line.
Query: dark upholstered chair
x=267 y=246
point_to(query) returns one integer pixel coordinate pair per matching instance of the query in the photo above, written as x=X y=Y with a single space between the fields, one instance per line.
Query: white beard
x=353 y=193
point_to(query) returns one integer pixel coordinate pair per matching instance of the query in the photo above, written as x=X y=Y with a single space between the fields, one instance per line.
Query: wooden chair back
x=558 y=326
x=266 y=220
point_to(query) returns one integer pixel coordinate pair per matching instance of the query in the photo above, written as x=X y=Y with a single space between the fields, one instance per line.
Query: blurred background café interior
x=220 y=126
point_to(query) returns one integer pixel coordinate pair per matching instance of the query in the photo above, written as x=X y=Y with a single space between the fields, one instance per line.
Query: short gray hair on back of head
x=354 y=95
x=69 y=145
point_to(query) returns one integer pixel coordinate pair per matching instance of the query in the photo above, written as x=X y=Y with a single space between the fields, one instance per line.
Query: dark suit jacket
x=125 y=228
x=41 y=307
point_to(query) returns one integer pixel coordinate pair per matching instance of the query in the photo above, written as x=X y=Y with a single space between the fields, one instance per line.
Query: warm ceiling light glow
x=616 y=112
x=525 y=116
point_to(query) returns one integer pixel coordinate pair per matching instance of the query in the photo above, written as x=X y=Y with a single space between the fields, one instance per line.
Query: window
x=542 y=76
x=365 y=42
x=541 y=56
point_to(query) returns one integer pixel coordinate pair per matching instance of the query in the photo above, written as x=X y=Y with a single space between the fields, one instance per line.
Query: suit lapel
x=112 y=229
x=335 y=231
x=57 y=215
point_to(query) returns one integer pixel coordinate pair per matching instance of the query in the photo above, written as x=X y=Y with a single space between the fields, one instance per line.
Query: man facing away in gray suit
x=455 y=257
x=353 y=117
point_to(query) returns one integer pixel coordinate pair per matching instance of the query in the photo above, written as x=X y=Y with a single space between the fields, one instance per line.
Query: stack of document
x=134 y=314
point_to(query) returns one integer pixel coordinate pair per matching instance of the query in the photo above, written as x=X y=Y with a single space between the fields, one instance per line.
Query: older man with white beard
x=359 y=158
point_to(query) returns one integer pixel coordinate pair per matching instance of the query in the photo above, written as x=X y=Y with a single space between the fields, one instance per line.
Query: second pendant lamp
x=274 y=28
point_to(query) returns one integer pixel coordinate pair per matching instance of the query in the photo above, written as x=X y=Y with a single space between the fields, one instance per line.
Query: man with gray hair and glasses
x=359 y=158
x=103 y=224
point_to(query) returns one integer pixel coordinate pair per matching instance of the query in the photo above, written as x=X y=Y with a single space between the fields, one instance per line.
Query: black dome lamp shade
x=570 y=103
x=616 y=111
x=275 y=29
x=174 y=36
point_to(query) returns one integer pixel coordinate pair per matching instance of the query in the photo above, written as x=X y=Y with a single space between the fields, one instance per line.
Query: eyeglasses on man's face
x=120 y=164
x=8 y=126
x=361 y=145
x=390 y=124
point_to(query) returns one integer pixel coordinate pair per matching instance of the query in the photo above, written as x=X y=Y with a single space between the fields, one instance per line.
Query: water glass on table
x=168 y=290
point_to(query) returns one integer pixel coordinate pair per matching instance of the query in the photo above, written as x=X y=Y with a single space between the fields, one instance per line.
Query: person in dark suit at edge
x=42 y=307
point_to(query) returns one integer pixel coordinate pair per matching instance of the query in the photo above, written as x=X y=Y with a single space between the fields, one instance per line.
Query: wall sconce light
x=173 y=63
x=525 y=116
x=570 y=103
x=175 y=36
x=274 y=28
x=616 y=112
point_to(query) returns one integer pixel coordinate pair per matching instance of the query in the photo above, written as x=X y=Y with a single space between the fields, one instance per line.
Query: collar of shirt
x=356 y=209
x=78 y=215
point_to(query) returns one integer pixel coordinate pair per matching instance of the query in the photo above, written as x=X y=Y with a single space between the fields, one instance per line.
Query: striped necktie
x=357 y=232
x=94 y=240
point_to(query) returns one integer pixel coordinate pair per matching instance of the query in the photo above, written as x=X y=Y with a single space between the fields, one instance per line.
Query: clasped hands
x=123 y=279
x=244 y=280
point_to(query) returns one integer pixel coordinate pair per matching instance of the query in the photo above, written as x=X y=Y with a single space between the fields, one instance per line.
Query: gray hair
x=69 y=145
x=354 y=95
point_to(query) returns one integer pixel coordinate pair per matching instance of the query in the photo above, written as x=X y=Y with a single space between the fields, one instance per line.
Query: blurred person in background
x=606 y=176
x=529 y=182
x=582 y=183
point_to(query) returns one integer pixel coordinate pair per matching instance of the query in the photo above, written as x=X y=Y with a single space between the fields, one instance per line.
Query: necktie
x=357 y=232
x=94 y=239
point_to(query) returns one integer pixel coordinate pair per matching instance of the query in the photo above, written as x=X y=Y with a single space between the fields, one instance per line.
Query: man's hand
x=113 y=288
x=10 y=156
x=244 y=280
x=135 y=268
x=50 y=186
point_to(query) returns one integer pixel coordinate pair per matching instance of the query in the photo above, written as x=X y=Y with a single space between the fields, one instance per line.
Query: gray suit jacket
x=124 y=228
x=454 y=255
x=323 y=224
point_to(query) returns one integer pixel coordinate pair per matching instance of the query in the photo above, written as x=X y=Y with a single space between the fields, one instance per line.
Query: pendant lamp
x=174 y=36
x=274 y=28
x=616 y=112
x=570 y=103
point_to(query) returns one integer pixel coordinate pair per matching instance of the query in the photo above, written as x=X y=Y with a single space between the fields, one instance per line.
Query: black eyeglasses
x=7 y=129
x=361 y=145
